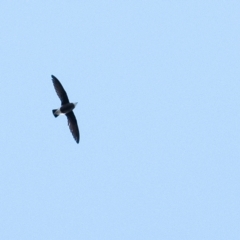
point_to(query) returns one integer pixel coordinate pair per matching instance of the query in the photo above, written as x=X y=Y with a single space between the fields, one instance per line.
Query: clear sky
x=158 y=91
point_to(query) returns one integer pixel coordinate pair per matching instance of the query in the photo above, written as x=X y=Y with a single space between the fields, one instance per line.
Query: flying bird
x=66 y=108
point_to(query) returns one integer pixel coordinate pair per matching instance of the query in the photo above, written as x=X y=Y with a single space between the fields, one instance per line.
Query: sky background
x=158 y=91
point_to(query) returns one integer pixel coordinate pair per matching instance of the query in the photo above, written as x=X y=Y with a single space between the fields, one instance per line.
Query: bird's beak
x=75 y=103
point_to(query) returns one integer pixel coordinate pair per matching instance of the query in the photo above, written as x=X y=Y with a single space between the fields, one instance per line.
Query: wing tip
x=77 y=139
x=53 y=77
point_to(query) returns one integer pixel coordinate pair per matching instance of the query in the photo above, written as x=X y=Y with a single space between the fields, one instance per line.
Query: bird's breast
x=66 y=108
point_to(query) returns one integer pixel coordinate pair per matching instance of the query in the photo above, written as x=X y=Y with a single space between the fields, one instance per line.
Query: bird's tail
x=55 y=114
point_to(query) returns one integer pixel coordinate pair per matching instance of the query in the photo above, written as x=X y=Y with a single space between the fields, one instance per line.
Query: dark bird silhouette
x=66 y=108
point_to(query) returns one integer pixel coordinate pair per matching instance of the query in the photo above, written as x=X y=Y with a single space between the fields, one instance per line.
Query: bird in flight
x=66 y=108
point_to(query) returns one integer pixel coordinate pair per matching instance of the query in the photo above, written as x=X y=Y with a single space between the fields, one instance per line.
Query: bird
x=66 y=108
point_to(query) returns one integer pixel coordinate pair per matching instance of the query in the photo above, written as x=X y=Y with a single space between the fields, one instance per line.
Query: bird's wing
x=73 y=126
x=60 y=90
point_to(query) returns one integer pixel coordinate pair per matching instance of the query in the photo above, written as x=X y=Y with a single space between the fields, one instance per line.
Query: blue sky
x=157 y=86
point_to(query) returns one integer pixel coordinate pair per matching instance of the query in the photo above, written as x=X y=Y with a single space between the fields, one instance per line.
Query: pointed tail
x=54 y=113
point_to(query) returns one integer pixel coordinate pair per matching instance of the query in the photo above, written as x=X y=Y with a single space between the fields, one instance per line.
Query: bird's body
x=66 y=109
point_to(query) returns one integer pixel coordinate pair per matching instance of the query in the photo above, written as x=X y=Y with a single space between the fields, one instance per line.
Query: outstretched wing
x=60 y=90
x=73 y=126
